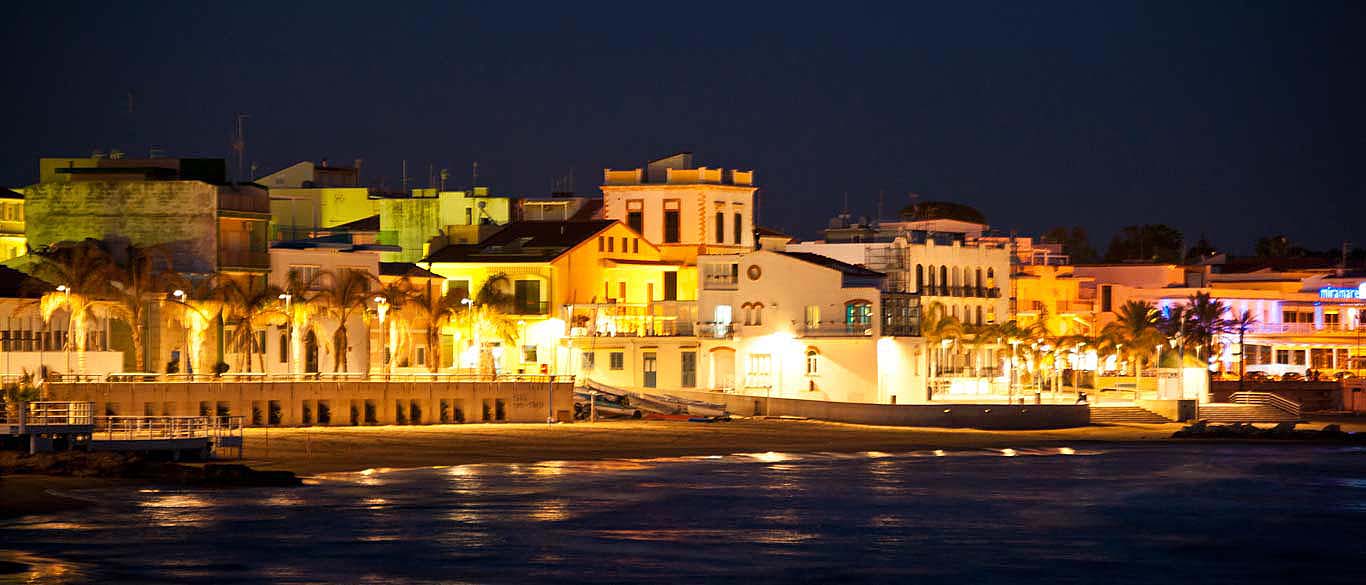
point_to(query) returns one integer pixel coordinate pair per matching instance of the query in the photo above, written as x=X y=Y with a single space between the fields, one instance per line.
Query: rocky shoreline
x=1285 y=431
x=134 y=467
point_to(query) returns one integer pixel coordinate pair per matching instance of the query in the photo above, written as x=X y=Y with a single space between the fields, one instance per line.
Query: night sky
x=1237 y=120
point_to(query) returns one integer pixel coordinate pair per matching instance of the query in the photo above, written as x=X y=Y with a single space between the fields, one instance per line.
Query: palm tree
x=1136 y=329
x=1241 y=323
x=81 y=273
x=1205 y=322
x=200 y=302
x=395 y=319
x=937 y=327
x=250 y=307
x=429 y=306
x=132 y=284
x=301 y=304
x=486 y=319
x=345 y=294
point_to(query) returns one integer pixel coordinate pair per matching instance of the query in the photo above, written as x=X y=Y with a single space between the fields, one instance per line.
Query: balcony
x=716 y=330
x=720 y=281
x=658 y=319
x=243 y=260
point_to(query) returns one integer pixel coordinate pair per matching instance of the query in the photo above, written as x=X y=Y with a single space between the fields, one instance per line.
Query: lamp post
x=289 y=331
x=382 y=307
x=1014 y=369
x=66 y=345
x=189 y=360
x=468 y=303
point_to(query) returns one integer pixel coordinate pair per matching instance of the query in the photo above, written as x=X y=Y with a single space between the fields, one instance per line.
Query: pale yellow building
x=13 y=243
x=1055 y=296
x=685 y=210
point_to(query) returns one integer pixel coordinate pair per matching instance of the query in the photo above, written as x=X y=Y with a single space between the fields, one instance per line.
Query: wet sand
x=335 y=449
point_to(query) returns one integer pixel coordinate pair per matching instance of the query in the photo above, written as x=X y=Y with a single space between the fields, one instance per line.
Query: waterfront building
x=581 y=279
x=685 y=210
x=841 y=335
x=13 y=242
x=28 y=344
x=1305 y=319
x=430 y=219
x=306 y=197
x=184 y=206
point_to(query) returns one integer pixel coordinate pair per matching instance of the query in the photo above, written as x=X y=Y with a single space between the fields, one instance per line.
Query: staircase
x=1223 y=412
x=1124 y=414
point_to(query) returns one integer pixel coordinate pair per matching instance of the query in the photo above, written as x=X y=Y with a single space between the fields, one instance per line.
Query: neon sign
x=1342 y=292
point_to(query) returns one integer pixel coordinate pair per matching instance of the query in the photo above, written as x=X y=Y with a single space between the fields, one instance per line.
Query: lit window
x=616 y=360
x=812 y=362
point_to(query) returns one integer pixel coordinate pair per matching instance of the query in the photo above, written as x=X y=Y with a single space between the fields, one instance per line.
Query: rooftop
x=831 y=263
x=524 y=241
x=405 y=269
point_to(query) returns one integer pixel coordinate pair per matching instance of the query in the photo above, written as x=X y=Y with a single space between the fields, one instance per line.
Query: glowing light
x=770 y=456
x=1008 y=452
x=938 y=452
x=1067 y=450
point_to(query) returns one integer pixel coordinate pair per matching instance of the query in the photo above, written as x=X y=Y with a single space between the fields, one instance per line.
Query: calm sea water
x=1143 y=514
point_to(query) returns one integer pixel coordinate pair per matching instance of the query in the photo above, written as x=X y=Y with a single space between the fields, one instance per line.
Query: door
x=689 y=376
x=670 y=286
x=311 y=353
x=649 y=368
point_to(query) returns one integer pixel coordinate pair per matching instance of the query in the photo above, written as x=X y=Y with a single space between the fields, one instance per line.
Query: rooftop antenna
x=405 y=176
x=445 y=174
x=879 y=204
x=239 y=143
x=474 y=175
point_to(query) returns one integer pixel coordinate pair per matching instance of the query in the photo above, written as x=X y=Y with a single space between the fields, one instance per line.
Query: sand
x=337 y=449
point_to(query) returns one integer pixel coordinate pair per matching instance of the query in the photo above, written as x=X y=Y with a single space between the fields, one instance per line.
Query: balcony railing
x=980 y=292
x=658 y=319
x=837 y=329
x=250 y=259
x=1299 y=328
x=717 y=330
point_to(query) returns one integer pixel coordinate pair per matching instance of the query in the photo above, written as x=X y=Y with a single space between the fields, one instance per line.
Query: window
x=529 y=353
x=813 y=316
x=588 y=360
x=635 y=245
x=527 y=297
x=636 y=221
x=979 y=315
x=670 y=286
x=943 y=280
x=758 y=314
x=421 y=352
x=739 y=227
x=649 y=367
x=284 y=347
x=859 y=313
x=616 y=360
x=1106 y=297
x=671 y=222
x=469 y=216
x=307 y=275
x=723 y=314
x=1320 y=358
x=720 y=227
x=689 y=365
x=611 y=244
x=458 y=288
x=602 y=244
x=757 y=369
x=919 y=277
x=623 y=244
x=812 y=362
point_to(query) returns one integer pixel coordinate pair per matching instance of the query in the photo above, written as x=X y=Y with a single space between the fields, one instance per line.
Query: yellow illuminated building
x=1056 y=296
x=570 y=279
x=13 y=243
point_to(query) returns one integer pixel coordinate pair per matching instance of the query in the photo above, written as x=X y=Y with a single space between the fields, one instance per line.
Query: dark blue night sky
x=1234 y=119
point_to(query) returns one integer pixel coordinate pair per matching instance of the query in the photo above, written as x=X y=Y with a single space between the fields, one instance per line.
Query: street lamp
x=382 y=308
x=189 y=360
x=289 y=331
x=66 y=291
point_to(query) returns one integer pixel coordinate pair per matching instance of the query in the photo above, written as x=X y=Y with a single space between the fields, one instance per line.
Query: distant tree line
x=1165 y=244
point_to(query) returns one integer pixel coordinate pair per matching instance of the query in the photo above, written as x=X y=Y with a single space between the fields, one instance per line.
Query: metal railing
x=1301 y=328
x=1266 y=398
x=144 y=428
x=452 y=376
x=716 y=330
x=837 y=330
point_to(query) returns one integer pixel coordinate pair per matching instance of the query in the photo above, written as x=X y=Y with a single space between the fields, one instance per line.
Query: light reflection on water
x=1072 y=514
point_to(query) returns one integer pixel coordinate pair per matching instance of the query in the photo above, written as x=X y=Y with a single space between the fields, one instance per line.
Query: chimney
x=324 y=163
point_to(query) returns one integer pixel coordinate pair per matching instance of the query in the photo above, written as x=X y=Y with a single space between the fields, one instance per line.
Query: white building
x=800 y=325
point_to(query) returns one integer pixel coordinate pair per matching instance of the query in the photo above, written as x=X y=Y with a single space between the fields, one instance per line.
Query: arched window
x=957 y=278
x=978 y=282
x=919 y=277
x=758 y=313
x=933 y=282
x=943 y=280
x=955 y=311
x=812 y=361
x=979 y=315
x=991 y=278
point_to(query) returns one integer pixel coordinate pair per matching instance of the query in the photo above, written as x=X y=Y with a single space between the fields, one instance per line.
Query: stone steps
x=1248 y=413
x=1125 y=414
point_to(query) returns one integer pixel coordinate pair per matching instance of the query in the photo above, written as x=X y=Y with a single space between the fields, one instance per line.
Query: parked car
x=1257 y=377
x=1340 y=376
x=1291 y=377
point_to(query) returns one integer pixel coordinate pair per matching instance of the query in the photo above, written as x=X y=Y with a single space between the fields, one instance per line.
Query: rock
x=1332 y=431
x=1285 y=429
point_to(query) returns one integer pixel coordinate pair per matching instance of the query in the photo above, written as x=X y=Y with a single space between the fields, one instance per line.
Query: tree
x=1242 y=323
x=395 y=319
x=81 y=272
x=486 y=319
x=1205 y=321
x=345 y=294
x=938 y=327
x=1135 y=330
x=1146 y=243
x=301 y=304
x=133 y=283
x=429 y=306
x=1074 y=243
x=250 y=307
x=200 y=304
x=1202 y=249
x=1277 y=246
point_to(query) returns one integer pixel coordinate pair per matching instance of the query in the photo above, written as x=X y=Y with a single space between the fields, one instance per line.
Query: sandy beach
x=321 y=450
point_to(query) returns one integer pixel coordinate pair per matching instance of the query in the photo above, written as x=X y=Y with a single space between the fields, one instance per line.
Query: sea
x=1149 y=513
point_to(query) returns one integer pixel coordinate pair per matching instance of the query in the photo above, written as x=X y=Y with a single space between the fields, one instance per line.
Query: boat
x=660 y=403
